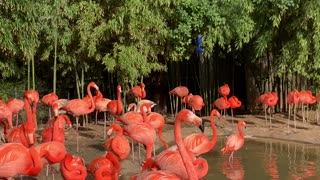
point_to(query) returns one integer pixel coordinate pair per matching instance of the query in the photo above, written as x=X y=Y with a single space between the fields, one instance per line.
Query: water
x=265 y=159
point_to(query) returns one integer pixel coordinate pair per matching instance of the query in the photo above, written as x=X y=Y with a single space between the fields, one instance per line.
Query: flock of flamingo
x=22 y=155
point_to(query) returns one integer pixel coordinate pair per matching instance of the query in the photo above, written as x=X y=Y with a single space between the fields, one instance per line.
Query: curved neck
x=119 y=130
x=119 y=102
x=240 y=131
x=91 y=109
x=37 y=163
x=192 y=174
x=142 y=112
x=202 y=167
x=134 y=107
x=214 y=133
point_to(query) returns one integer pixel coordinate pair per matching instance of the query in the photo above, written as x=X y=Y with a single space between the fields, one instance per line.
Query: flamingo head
x=32 y=96
x=242 y=123
x=216 y=113
x=119 y=88
x=113 y=127
x=131 y=106
x=142 y=85
x=185 y=115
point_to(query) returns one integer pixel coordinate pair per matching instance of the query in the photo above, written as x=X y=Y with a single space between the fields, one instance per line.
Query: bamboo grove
x=277 y=44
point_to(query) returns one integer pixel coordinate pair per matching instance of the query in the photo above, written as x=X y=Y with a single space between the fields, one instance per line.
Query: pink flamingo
x=269 y=99
x=105 y=167
x=73 y=168
x=180 y=92
x=196 y=103
x=101 y=106
x=142 y=133
x=181 y=162
x=48 y=99
x=293 y=100
x=6 y=113
x=78 y=107
x=305 y=98
x=221 y=103
x=115 y=106
x=15 y=106
x=224 y=90
x=119 y=144
x=138 y=91
x=234 y=103
x=234 y=141
x=198 y=143
x=16 y=159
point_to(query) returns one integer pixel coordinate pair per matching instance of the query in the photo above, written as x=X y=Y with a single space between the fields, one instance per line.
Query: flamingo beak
x=201 y=127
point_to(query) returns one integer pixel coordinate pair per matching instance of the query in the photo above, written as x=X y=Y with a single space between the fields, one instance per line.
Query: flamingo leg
x=104 y=125
x=96 y=117
x=231 y=157
x=270 y=117
x=289 y=117
x=177 y=99
x=132 y=147
x=265 y=114
x=232 y=116
x=77 y=124
x=294 y=116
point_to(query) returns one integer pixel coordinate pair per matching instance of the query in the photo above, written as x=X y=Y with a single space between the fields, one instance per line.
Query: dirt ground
x=91 y=137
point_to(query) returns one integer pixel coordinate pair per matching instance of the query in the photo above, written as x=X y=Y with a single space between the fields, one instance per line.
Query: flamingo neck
x=37 y=164
x=142 y=112
x=202 y=167
x=119 y=103
x=93 y=105
x=120 y=131
x=240 y=131
x=135 y=107
x=192 y=174
x=214 y=133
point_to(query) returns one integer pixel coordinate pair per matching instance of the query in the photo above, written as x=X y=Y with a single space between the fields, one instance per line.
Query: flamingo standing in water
x=234 y=103
x=101 y=106
x=138 y=91
x=16 y=160
x=182 y=162
x=119 y=144
x=234 y=141
x=73 y=168
x=180 y=92
x=105 y=167
x=293 y=100
x=78 y=107
x=115 y=107
x=198 y=143
x=15 y=106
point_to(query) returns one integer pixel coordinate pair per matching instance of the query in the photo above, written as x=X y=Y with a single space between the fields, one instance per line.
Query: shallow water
x=265 y=159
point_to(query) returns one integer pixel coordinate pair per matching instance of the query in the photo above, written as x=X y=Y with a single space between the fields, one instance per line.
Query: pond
x=265 y=159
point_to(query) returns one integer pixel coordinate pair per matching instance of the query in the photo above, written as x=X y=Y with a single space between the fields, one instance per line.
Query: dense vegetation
x=123 y=41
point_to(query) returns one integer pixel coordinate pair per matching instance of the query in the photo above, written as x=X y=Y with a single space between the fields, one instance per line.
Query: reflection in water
x=266 y=159
x=233 y=170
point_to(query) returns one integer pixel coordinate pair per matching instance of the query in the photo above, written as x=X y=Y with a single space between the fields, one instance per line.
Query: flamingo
x=221 y=103
x=224 y=90
x=198 y=143
x=142 y=133
x=154 y=173
x=25 y=133
x=187 y=98
x=234 y=141
x=73 y=168
x=138 y=91
x=180 y=91
x=6 y=113
x=269 y=99
x=105 y=167
x=196 y=103
x=101 y=106
x=15 y=106
x=55 y=133
x=51 y=152
x=293 y=100
x=115 y=106
x=234 y=103
x=182 y=162
x=119 y=144
x=305 y=98
x=16 y=159
x=78 y=107
x=48 y=99
x=33 y=98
